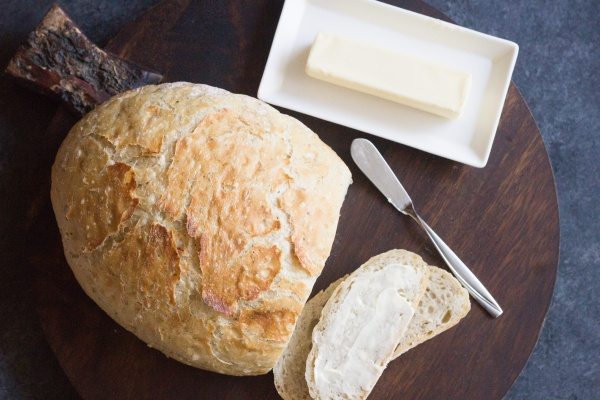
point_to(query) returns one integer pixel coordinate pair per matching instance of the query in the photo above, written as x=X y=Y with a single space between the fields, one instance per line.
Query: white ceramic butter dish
x=489 y=60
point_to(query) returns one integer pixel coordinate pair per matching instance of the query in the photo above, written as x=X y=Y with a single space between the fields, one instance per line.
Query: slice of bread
x=289 y=370
x=362 y=323
x=444 y=304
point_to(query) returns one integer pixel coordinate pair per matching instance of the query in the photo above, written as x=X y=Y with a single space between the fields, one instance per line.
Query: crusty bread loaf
x=443 y=305
x=188 y=213
x=289 y=370
x=362 y=323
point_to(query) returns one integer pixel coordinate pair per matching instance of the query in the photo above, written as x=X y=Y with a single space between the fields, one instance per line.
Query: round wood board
x=502 y=220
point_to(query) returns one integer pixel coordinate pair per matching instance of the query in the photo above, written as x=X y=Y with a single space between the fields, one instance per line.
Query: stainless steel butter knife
x=373 y=165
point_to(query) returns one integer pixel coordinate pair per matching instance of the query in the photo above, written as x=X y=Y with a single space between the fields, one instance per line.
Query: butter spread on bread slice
x=362 y=323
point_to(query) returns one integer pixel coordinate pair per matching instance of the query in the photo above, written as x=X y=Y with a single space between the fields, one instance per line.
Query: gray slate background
x=558 y=72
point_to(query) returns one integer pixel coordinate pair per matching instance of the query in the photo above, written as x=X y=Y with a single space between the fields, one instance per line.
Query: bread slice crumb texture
x=444 y=303
x=289 y=370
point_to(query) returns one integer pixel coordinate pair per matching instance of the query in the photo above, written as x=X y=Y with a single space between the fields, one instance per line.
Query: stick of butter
x=401 y=78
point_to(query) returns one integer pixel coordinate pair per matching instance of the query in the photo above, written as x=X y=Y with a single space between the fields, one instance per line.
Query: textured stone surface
x=557 y=72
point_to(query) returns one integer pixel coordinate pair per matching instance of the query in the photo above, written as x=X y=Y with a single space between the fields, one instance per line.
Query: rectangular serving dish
x=489 y=60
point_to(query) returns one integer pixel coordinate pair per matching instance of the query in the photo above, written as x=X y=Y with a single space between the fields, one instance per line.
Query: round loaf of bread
x=198 y=219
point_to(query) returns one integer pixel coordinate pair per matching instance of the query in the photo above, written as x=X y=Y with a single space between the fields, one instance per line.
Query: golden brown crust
x=111 y=187
x=145 y=131
x=305 y=236
x=316 y=197
x=224 y=282
x=272 y=321
x=202 y=207
x=147 y=263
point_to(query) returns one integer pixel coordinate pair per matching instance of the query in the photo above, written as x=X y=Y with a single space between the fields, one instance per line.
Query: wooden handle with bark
x=60 y=61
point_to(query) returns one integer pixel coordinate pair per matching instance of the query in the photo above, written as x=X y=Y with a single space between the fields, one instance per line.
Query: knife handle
x=461 y=271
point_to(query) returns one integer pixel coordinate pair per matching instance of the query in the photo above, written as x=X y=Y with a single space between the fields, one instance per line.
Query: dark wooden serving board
x=501 y=220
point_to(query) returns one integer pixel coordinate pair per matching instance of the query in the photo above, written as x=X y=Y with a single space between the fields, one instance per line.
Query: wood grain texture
x=501 y=220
